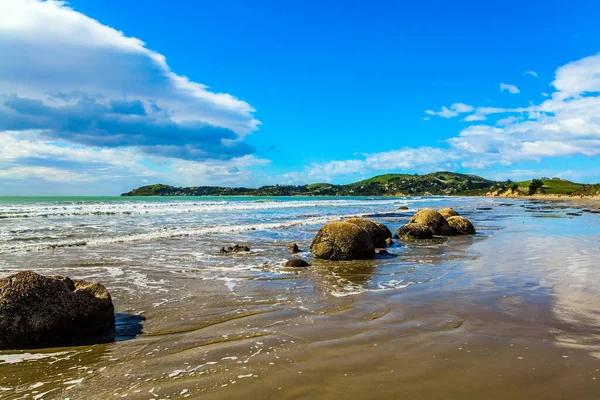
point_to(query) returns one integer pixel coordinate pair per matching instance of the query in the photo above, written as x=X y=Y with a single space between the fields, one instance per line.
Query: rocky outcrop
x=342 y=241
x=428 y=223
x=432 y=220
x=461 y=225
x=379 y=233
x=414 y=231
x=38 y=311
x=296 y=263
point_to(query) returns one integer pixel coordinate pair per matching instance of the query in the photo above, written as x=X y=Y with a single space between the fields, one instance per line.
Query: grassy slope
x=554 y=186
x=443 y=176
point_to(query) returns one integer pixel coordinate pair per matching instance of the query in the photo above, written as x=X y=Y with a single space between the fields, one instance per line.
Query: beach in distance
x=510 y=312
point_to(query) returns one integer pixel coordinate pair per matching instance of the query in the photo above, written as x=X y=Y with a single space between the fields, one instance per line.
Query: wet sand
x=515 y=314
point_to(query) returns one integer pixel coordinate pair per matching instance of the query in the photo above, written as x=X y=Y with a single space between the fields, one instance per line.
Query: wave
x=171 y=207
x=11 y=247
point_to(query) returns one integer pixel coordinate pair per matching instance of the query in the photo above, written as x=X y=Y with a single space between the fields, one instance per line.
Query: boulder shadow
x=127 y=326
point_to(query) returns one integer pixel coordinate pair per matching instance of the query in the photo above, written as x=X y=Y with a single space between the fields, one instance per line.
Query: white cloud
x=566 y=124
x=83 y=102
x=506 y=121
x=510 y=88
x=453 y=111
x=419 y=159
x=44 y=173
x=545 y=94
x=531 y=73
x=474 y=117
x=75 y=79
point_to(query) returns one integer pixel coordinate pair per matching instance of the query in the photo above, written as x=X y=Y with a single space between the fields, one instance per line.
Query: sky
x=99 y=97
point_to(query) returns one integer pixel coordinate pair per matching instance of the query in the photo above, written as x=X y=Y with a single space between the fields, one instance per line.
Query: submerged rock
x=461 y=225
x=379 y=233
x=433 y=220
x=234 y=249
x=342 y=241
x=293 y=248
x=403 y=208
x=296 y=263
x=414 y=231
x=389 y=241
x=448 y=212
x=38 y=311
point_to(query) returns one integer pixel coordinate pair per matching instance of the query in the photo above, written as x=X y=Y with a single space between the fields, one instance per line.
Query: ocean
x=513 y=306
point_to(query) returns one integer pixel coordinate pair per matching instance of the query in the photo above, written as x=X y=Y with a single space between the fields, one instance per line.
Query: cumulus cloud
x=71 y=87
x=531 y=73
x=75 y=79
x=512 y=89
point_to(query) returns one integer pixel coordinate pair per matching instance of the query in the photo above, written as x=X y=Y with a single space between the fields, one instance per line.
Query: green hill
x=438 y=183
x=557 y=186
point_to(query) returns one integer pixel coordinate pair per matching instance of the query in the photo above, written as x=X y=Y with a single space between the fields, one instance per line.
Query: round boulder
x=433 y=220
x=338 y=241
x=296 y=263
x=448 y=212
x=413 y=231
x=379 y=233
x=461 y=225
x=38 y=311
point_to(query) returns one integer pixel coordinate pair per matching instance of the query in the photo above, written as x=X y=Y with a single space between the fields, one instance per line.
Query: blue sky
x=97 y=97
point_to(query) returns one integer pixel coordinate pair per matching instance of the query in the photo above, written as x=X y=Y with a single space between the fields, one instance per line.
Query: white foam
x=124 y=207
x=178 y=232
x=21 y=357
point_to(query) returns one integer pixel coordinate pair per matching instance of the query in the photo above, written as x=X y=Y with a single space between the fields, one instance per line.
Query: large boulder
x=433 y=220
x=448 y=212
x=38 y=311
x=379 y=233
x=461 y=225
x=413 y=231
x=342 y=241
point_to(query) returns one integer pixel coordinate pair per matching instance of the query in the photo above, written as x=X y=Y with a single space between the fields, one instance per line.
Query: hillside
x=438 y=183
x=556 y=186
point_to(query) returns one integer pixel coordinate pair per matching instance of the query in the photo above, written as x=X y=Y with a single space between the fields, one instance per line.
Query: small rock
x=293 y=248
x=382 y=252
x=403 y=208
x=389 y=241
x=296 y=263
x=234 y=249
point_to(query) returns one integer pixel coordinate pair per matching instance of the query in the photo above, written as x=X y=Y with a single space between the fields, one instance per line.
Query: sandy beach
x=511 y=312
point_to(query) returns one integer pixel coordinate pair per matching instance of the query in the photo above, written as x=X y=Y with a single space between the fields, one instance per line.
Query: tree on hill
x=535 y=186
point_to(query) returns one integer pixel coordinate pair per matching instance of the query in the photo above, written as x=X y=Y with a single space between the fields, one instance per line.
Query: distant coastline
x=442 y=183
